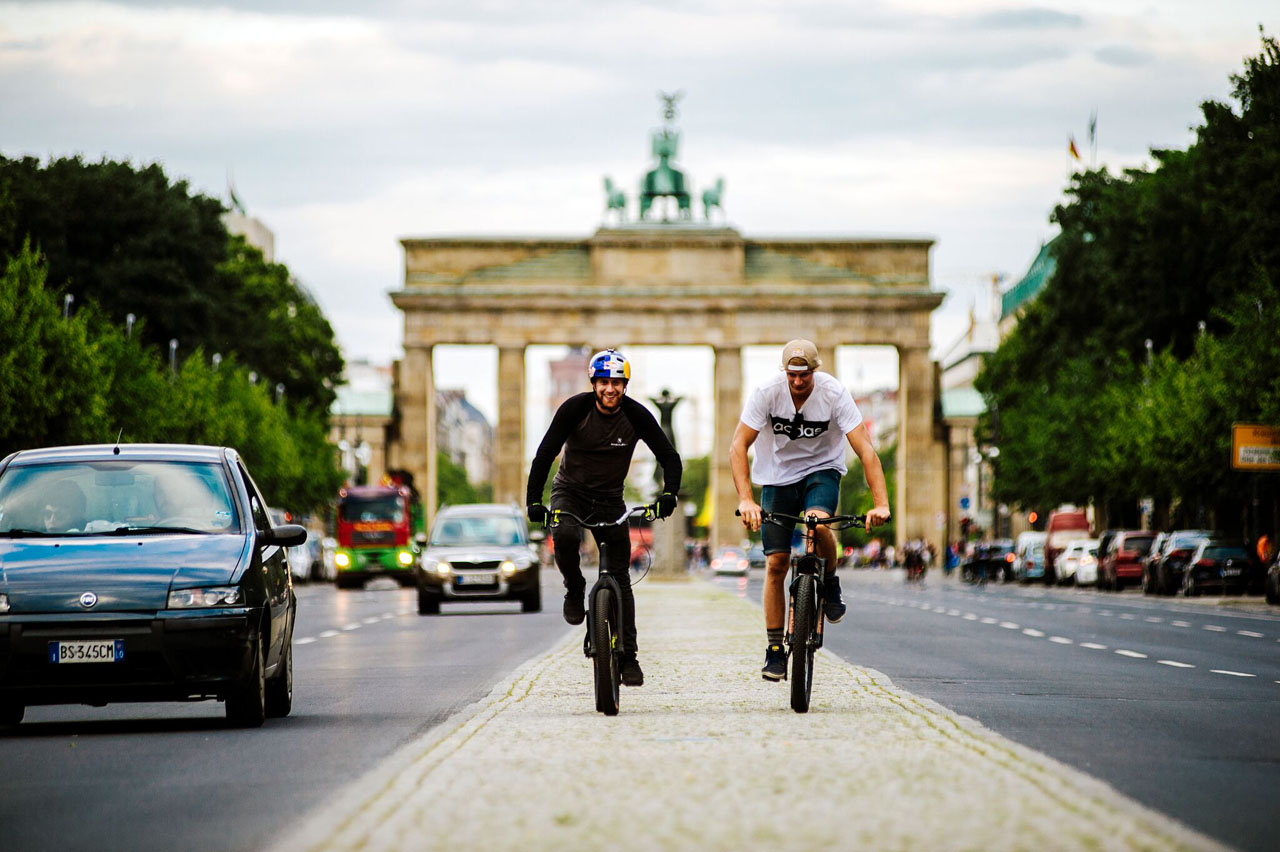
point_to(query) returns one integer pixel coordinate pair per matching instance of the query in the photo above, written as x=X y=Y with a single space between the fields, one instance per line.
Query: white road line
x=1180 y=623
x=1232 y=674
x=328 y=634
x=371 y=620
x=305 y=640
x=1128 y=616
x=388 y=615
x=988 y=620
x=352 y=626
x=953 y=612
x=1008 y=625
x=1215 y=628
x=1175 y=664
x=1122 y=652
x=1249 y=633
x=1036 y=633
x=1061 y=640
x=1105 y=612
x=1093 y=646
x=1153 y=619
x=968 y=616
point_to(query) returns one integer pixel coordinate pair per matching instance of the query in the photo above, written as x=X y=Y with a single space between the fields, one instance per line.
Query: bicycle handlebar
x=811 y=521
x=650 y=513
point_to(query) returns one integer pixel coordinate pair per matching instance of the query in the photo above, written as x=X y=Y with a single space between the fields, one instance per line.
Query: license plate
x=1231 y=572
x=87 y=651
x=476 y=579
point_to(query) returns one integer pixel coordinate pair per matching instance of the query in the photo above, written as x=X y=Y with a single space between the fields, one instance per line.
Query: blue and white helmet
x=609 y=364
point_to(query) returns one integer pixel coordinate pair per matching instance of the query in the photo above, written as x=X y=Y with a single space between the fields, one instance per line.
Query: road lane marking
x=1093 y=646
x=1127 y=616
x=1153 y=619
x=953 y=612
x=1009 y=625
x=1137 y=656
x=1231 y=673
x=1061 y=640
x=371 y=620
x=1180 y=623
x=305 y=640
x=328 y=634
x=988 y=620
x=1249 y=633
x=1105 y=612
x=1175 y=664
x=352 y=626
x=969 y=616
x=1036 y=633
x=1215 y=628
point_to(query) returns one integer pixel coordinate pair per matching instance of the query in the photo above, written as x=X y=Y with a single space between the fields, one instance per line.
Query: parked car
x=1271 y=587
x=479 y=551
x=1081 y=559
x=1031 y=565
x=730 y=560
x=298 y=557
x=1224 y=566
x=142 y=572
x=756 y=557
x=1163 y=567
x=1064 y=525
x=991 y=560
x=1120 y=558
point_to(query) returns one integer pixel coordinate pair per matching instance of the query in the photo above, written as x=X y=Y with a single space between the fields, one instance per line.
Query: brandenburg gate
x=663 y=282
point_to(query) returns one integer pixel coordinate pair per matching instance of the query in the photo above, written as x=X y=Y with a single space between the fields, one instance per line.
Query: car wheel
x=1272 y=589
x=1189 y=587
x=246 y=706
x=11 y=712
x=279 y=697
x=428 y=604
x=532 y=600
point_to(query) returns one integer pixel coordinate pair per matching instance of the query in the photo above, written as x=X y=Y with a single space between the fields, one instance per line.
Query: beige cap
x=800 y=350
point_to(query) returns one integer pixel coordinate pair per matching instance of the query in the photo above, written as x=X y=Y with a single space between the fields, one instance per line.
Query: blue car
x=146 y=572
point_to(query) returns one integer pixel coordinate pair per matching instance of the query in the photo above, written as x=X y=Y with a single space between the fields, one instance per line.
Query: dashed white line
x=1036 y=633
x=352 y=626
x=953 y=612
x=1009 y=625
x=1061 y=640
x=1128 y=616
x=1105 y=612
x=371 y=620
x=1093 y=646
x=1175 y=664
x=305 y=640
x=1153 y=619
x=328 y=634
x=1137 y=656
x=1249 y=633
x=968 y=616
x=1231 y=673
x=1215 y=628
x=1180 y=623
x=988 y=620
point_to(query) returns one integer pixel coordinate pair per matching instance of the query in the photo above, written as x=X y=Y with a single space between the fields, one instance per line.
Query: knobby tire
x=806 y=612
x=604 y=630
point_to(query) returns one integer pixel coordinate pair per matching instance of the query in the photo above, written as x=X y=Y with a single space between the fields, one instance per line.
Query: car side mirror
x=538 y=536
x=421 y=539
x=285 y=535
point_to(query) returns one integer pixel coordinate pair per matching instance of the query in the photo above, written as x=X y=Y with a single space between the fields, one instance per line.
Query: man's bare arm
x=874 y=472
x=743 y=437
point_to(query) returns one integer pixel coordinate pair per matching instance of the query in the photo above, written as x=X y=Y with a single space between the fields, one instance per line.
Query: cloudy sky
x=349 y=125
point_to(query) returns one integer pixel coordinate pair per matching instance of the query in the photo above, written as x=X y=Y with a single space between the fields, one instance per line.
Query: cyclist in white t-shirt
x=805 y=417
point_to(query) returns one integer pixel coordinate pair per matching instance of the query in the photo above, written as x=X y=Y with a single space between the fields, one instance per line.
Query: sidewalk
x=708 y=756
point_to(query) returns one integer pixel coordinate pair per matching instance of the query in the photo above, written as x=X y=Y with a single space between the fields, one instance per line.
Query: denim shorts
x=818 y=490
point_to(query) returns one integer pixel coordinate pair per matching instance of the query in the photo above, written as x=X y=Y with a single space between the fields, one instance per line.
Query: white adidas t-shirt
x=794 y=444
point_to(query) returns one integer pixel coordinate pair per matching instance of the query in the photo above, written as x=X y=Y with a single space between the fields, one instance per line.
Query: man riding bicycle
x=804 y=415
x=598 y=431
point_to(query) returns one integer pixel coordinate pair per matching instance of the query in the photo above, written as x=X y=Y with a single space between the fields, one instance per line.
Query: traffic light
x=1033 y=517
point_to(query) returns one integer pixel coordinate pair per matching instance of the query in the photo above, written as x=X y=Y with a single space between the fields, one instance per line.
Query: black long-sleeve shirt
x=598 y=448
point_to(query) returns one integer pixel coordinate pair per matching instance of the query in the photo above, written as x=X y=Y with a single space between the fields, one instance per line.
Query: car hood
x=126 y=574
x=478 y=553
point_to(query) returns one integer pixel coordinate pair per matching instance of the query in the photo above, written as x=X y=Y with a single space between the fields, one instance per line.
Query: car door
x=275 y=570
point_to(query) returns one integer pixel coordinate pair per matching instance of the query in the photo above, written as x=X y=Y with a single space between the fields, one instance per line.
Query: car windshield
x=115 y=496
x=1225 y=552
x=357 y=509
x=464 y=530
x=1139 y=544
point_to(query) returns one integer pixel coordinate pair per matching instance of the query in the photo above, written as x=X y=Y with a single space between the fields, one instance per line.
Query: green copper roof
x=962 y=402
x=369 y=403
x=1033 y=282
x=762 y=263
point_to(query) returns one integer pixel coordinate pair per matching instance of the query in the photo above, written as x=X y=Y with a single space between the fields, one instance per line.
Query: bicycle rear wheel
x=806 y=617
x=604 y=638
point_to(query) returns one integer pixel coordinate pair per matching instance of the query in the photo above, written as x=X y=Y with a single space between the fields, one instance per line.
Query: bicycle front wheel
x=806 y=618
x=604 y=638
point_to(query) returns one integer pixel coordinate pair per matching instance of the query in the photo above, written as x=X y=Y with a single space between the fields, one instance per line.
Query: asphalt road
x=370 y=675
x=1175 y=703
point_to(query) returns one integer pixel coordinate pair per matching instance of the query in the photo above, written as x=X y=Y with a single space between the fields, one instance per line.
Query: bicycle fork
x=588 y=646
x=818 y=599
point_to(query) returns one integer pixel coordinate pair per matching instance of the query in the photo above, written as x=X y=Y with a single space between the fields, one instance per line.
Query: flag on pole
x=236 y=204
x=1093 y=129
x=1071 y=147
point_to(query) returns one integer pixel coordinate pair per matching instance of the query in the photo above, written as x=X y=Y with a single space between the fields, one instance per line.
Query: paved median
x=707 y=756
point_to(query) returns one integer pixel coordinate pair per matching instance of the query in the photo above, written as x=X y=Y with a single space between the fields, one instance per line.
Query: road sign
x=964 y=502
x=1255 y=447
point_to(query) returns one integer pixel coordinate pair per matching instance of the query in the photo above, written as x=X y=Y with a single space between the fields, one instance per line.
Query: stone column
x=508 y=456
x=827 y=355
x=961 y=439
x=418 y=423
x=725 y=527
x=921 y=457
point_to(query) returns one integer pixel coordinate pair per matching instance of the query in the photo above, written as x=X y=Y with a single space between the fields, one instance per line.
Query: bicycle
x=805 y=619
x=604 y=612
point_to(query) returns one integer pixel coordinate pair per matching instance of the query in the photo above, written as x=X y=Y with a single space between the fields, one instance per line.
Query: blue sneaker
x=833 y=607
x=775 y=663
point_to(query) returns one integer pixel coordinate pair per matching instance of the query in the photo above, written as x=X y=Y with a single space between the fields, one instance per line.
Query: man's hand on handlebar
x=666 y=504
x=749 y=510
x=537 y=513
x=877 y=516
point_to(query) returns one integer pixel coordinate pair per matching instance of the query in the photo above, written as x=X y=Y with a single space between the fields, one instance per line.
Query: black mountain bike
x=603 y=643
x=804 y=614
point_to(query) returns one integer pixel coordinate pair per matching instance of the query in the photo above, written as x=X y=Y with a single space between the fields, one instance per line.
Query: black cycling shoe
x=834 y=606
x=631 y=672
x=574 y=612
x=775 y=663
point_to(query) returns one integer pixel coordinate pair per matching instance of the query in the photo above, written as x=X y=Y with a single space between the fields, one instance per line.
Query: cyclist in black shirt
x=598 y=432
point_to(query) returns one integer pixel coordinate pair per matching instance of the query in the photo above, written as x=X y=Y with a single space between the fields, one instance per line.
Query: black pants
x=614 y=544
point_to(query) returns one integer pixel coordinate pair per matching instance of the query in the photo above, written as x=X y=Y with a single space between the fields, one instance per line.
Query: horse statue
x=711 y=198
x=614 y=199
x=665 y=181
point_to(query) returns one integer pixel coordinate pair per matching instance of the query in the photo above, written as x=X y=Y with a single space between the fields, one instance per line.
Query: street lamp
x=217 y=360
x=129 y=320
x=279 y=392
x=66 y=305
x=173 y=355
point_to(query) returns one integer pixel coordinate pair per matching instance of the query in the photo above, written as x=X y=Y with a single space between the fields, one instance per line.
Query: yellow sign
x=1255 y=447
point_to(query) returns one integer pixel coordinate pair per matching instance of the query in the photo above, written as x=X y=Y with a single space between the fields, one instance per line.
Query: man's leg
x=777 y=548
x=568 y=543
x=822 y=493
x=618 y=541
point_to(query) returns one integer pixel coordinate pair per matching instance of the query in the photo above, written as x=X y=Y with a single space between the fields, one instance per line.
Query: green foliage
x=855 y=497
x=453 y=487
x=128 y=241
x=1186 y=256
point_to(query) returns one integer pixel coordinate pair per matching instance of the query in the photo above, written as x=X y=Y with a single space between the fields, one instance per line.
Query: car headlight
x=342 y=560
x=405 y=557
x=4 y=603
x=508 y=568
x=200 y=598
x=443 y=568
